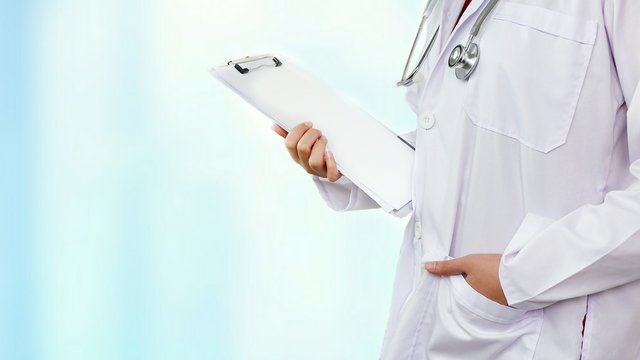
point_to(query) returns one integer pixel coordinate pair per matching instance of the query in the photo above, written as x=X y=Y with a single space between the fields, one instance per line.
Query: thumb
x=447 y=267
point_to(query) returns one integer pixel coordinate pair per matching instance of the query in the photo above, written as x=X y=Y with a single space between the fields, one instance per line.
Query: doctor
x=524 y=241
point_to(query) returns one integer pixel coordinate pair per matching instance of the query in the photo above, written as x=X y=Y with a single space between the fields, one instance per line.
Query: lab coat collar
x=450 y=13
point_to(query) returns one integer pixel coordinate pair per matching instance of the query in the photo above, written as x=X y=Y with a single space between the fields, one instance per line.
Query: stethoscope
x=464 y=59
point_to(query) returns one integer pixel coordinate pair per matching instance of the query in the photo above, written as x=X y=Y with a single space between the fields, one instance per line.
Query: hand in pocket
x=480 y=272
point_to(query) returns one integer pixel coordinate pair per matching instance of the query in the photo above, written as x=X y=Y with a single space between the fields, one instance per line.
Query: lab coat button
x=427 y=121
x=417 y=230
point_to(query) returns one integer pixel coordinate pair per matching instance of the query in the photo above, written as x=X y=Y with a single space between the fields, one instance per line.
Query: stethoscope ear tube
x=408 y=80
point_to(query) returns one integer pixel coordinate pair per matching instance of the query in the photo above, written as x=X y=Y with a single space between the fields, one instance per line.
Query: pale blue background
x=146 y=212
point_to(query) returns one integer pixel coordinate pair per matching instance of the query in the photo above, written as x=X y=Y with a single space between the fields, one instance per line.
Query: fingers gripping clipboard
x=370 y=155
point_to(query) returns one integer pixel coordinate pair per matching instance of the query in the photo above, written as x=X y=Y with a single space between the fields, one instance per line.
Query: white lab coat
x=537 y=157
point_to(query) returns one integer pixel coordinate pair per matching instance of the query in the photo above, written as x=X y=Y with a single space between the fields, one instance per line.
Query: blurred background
x=147 y=212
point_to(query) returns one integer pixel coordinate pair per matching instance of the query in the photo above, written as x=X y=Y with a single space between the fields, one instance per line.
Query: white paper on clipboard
x=366 y=152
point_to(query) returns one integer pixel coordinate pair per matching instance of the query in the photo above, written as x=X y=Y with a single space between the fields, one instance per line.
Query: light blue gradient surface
x=146 y=212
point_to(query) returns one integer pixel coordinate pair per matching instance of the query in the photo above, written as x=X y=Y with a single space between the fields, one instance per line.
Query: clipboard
x=369 y=154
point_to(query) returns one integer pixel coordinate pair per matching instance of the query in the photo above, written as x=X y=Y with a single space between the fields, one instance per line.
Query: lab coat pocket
x=528 y=82
x=482 y=306
x=467 y=323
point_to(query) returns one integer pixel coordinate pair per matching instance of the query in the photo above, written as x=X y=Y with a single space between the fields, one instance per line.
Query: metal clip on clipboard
x=248 y=59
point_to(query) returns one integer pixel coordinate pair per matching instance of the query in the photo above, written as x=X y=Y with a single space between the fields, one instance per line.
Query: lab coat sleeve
x=595 y=247
x=344 y=195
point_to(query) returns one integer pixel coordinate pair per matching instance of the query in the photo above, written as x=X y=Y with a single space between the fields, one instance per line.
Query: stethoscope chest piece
x=464 y=60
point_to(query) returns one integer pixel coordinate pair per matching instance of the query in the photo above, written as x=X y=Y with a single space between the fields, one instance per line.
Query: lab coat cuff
x=341 y=195
x=514 y=277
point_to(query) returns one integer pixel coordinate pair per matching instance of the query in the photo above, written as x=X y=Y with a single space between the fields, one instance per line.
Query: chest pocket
x=532 y=67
